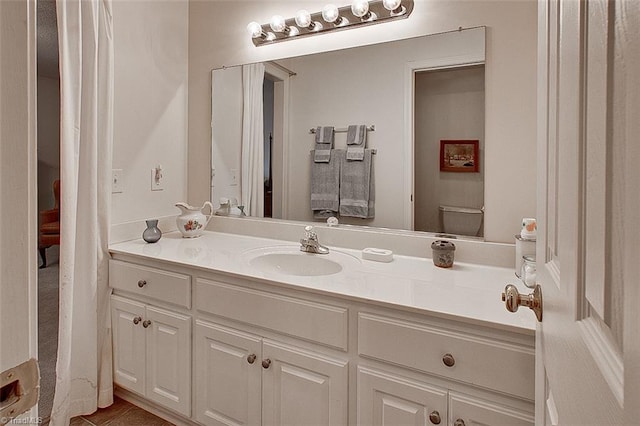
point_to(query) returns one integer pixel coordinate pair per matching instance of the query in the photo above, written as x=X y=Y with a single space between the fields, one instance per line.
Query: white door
x=168 y=368
x=129 y=344
x=302 y=388
x=387 y=399
x=228 y=376
x=587 y=195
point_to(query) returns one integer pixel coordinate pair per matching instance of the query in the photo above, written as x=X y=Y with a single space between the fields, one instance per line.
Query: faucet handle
x=309 y=233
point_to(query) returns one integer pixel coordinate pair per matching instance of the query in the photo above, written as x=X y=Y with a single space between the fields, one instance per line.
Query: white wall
x=449 y=105
x=217 y=31
x=48 y=139
x=151 y=90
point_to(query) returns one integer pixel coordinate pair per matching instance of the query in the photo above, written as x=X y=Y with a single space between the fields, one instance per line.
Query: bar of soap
x=377 y=255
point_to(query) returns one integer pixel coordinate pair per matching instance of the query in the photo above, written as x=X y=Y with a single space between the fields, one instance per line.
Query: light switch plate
x=157 y=183
x=233 y=178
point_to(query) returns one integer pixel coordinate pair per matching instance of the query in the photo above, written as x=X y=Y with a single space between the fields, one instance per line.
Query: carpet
x=48 y=330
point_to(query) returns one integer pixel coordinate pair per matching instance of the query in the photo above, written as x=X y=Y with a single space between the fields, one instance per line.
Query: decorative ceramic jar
x=152 y=234
x=443 y=253
x=192 y=221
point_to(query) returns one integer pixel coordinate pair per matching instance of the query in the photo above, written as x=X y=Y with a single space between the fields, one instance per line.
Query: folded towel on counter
x=325 y=185
x=357 y=187
x=324 y=144
x=356 y=141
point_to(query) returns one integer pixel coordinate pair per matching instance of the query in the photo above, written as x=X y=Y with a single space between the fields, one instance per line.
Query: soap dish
x=377 y=255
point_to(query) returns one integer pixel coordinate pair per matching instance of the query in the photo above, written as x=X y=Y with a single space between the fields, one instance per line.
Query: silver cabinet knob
x=459 y=422
x=146 y=323
x=142 y=283
x=137 y=320
x=434 y=417
x=266 y=363
x=251 y=358
x=513 y=300
x=448 y=360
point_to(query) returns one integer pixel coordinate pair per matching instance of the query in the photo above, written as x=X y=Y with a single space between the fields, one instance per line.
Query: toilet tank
x=461 y=220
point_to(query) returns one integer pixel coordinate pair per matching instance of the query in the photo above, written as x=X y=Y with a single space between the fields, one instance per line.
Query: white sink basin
x=289 y=260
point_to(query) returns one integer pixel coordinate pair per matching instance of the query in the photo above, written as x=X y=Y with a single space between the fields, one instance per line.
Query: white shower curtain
x=84 y=378
x=253 y=140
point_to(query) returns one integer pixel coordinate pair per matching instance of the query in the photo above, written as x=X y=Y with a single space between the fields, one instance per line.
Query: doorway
x=48 y=160
x=449 y=105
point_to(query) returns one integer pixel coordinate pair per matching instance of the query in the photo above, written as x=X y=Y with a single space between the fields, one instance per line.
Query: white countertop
x=466 y=291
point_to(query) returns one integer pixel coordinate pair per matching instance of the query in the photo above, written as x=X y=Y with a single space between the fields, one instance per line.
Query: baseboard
x=153 y=408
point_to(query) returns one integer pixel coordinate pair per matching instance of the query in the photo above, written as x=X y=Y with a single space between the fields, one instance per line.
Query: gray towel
x=357 y=187
x=324 y=144
x=356 y=141
x=325 y=185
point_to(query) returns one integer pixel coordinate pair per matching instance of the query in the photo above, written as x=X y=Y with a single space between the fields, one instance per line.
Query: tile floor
x=121 y=413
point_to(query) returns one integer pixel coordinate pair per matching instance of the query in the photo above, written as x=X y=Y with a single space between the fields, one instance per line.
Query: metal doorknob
x=146 y=323
x=142 y=283
x=459 y=422
x=137 y=320
x=434 y=417
x=513 y=299
x=251 y=358
x=266 y=363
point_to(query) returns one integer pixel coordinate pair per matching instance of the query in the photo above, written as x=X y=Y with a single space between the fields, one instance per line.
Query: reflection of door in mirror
x=448 y=105
x=226 y=152
x=276 y=88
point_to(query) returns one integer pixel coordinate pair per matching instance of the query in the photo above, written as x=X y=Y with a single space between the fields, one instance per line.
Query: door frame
x=18 y=175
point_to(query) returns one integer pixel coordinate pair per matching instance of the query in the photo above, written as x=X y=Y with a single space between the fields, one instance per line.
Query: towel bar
x=373 y=150
x=371 y=128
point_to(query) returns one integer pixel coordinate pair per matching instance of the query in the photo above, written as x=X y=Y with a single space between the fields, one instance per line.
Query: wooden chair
x=49 y=231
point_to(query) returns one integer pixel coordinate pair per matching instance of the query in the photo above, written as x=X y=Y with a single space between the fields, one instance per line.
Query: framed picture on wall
x=459 y=156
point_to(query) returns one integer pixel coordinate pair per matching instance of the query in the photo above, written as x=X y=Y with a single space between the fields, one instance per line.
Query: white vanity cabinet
x=151 y=344
x=245 y=377
x=259 y=351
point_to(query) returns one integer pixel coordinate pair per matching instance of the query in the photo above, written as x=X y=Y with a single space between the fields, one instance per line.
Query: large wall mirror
x=423 y=98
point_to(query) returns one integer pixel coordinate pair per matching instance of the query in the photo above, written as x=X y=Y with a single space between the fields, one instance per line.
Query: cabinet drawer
x=321 y=323
x=162 y=285
x=476 y=360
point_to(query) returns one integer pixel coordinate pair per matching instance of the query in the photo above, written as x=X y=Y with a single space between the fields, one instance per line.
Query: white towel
x=356 y=141
x=325 y=185
x=324 y=144
x=357 y=187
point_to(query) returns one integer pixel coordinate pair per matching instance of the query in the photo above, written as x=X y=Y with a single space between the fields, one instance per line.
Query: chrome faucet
x=310 y=244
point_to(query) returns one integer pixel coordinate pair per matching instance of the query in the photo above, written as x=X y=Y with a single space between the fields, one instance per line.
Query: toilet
x=461 y=220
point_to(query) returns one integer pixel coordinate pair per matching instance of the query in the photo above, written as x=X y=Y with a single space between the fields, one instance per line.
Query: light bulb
x=330 y=13
x=278 y=24
x=303 y=19
x=360 y=8
x=254 y=29
x=392 y=5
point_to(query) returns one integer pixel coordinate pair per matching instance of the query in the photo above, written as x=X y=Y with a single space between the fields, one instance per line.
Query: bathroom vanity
x=231 y=329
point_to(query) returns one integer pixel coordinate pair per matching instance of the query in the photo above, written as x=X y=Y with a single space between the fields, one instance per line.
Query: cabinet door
x=128 y=344
x=389 y=399
x=466 y=410
x=168 y=359
x=302 y=388
x=228 y=376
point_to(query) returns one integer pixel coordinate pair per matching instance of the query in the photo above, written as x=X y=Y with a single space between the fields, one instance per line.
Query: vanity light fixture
x=358 y=13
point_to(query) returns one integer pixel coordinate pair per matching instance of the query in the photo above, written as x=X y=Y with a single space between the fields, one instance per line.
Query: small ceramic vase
x=152 y=234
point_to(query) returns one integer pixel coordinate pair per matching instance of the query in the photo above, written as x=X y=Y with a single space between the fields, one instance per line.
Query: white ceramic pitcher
x=193 y=221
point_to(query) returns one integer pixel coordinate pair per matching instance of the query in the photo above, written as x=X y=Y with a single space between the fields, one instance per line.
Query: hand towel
x=325 y=185
x=356 y=141
x=357 y=187
x=324 y=144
